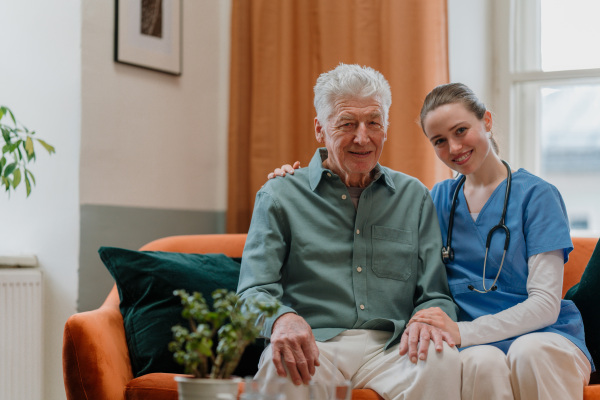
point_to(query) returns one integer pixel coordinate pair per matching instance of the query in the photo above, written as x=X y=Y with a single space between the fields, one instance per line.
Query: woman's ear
x=487 y=120
x=319 y=131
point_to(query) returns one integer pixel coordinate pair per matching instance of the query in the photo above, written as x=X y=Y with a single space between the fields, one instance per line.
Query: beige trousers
x=538 y=366
x=359 y=356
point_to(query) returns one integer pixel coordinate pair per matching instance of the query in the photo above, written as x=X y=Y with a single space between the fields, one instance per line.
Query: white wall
x=40 y=76
x=150 y=139
x=470 y=46
x=153 y=145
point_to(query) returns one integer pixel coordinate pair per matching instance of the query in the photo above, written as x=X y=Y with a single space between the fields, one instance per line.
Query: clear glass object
x=258 y=389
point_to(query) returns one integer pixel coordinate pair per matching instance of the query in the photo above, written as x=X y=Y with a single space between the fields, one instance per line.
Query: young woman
x=506 y=238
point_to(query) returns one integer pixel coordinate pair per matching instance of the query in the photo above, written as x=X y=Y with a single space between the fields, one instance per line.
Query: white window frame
x=512 y=68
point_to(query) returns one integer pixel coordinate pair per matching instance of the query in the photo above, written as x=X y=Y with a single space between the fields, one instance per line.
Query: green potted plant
x=211 y=347
x=18 y=151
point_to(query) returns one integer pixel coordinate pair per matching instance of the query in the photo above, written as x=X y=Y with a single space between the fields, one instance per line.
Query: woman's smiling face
x=459 y=138
x=354 y=138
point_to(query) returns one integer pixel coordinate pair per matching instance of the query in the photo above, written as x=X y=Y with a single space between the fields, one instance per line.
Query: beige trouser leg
x=547 y=366
x=358 y=355
x=538 y=366
x=485 y=374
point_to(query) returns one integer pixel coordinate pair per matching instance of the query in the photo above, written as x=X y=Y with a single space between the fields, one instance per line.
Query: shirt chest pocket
x=394 y=255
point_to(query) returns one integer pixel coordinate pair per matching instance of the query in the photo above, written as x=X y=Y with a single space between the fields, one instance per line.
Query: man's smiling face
x=354 y=138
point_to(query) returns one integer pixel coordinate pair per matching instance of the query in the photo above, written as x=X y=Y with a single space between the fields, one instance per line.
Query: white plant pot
x=206 y=389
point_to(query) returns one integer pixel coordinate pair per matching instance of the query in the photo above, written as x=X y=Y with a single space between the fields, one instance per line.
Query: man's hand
x=435 y=316
x=292 y=342
x=416 y=337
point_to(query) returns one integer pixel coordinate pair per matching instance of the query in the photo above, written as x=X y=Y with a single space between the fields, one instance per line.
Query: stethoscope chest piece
x=447 y=254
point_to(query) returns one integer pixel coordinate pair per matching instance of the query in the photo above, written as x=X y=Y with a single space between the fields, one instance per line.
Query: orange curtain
x=279 y=48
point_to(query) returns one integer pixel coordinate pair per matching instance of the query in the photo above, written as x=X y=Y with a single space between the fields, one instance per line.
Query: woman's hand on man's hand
x=434 y=316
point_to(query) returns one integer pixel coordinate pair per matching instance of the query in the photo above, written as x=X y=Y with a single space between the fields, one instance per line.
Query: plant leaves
x=6 y=134
x=9 y=169
x=29 y=146
x=47 y=146
x=27 y=184
x=18 y=149
x=17 y=178
x=12 y=116
x=28 y=173
x=6 y=183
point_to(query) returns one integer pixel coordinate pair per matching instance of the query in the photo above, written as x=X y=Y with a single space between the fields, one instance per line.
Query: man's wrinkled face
x=354 y=138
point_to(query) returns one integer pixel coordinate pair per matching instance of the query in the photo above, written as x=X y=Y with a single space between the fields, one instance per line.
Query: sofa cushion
x=146 y=281
x=156 y=386
x=586 y=296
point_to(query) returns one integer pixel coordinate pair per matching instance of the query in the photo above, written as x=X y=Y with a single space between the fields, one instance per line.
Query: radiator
x=21 y=362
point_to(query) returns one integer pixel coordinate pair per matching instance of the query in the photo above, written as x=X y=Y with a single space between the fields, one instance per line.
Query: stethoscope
x=448 y=253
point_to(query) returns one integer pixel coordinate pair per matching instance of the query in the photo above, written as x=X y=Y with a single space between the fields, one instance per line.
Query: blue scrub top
x=537 y=219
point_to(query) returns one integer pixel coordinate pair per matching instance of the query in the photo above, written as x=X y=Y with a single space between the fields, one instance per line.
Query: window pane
x=570 y=148
x=570 y=32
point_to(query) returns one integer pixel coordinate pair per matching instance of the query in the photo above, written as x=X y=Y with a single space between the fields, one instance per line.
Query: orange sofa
x=96 y=364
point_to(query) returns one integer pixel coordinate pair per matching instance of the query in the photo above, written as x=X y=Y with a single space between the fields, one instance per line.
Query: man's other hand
x=416 y=337
x=293 y=343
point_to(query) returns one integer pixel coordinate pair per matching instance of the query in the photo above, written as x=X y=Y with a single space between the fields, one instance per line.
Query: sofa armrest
x=96 y=363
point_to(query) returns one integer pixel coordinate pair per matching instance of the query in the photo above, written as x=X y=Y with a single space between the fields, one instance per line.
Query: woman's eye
x=438 y=142
x=461 y=130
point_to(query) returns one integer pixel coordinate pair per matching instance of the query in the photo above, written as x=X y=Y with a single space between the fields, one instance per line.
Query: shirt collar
x=316 y=171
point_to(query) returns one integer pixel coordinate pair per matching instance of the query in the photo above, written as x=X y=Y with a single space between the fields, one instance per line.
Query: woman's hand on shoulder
x=284 y=168
x=434 y=316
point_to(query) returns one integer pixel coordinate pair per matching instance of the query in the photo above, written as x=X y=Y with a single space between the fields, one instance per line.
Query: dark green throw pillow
x=586 y=296
x=146 y=281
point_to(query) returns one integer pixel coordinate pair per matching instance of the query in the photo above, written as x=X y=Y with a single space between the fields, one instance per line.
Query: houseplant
x=18 y=151
x=210 y=349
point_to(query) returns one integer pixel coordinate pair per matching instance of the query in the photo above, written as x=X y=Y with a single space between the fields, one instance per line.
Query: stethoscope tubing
x=448 y=252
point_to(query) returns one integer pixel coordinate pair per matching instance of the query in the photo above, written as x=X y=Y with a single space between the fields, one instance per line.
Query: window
x=550 y=87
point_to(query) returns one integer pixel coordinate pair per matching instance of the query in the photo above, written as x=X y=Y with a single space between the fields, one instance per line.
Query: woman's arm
x=540 y=309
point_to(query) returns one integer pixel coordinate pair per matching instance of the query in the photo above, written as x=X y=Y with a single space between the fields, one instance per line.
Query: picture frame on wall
x=148 y=34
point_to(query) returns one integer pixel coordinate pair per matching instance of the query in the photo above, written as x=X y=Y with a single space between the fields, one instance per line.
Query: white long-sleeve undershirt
x=540 y=309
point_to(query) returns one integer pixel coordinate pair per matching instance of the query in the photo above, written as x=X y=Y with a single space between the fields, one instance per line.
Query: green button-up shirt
x=340 y=267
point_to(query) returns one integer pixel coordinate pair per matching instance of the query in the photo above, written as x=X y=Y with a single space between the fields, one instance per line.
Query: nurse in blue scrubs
x=518 y=339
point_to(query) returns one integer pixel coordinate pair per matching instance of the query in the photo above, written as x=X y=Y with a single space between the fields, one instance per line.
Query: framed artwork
x=148 y=34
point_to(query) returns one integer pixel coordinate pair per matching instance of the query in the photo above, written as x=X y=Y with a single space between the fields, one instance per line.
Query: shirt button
x=359 y=269
x=362 y=306
x=329 y=175
x=343 y=197
x=358 y=231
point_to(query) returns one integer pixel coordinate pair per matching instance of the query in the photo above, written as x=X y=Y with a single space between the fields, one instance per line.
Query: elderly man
x=351 y=249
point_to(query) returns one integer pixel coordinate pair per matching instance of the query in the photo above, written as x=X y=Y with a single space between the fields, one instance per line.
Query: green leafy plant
x=233 y=325
x=18 y=151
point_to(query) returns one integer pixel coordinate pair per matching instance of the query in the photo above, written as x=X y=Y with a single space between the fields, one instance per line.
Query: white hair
x=349 y=81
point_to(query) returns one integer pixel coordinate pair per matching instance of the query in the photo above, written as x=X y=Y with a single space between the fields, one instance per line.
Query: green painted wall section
x=130 y=228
